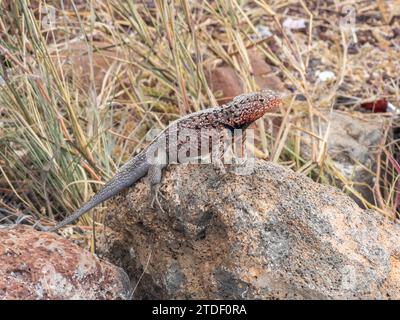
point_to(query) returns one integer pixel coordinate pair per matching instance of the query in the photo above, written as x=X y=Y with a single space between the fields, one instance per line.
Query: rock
x=225 y=81
x=75 y=62
x=352 y=145
x=263 y=72
x=39 y=265
x=271 y=234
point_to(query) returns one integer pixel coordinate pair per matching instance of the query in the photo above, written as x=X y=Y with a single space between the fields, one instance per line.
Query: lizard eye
x=261 y=99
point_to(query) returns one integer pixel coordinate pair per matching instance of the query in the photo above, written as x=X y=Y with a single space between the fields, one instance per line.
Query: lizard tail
x=129 y=173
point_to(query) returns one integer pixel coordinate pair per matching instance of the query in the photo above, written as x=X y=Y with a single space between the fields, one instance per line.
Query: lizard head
x=247 y=108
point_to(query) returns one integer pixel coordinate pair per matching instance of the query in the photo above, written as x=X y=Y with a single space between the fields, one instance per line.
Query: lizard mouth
x=275 y=103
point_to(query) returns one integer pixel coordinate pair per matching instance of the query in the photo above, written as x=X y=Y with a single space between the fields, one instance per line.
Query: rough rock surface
x=272 y=234
x=352 y=145
x=39 y=265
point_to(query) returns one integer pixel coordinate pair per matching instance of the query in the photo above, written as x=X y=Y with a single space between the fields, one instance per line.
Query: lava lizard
x=237 y=114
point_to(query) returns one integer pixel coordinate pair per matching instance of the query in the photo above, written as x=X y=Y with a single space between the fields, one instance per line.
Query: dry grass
x=79 y=95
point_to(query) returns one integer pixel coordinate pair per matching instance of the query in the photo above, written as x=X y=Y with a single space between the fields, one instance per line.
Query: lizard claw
x=39 y=227
x=155 y=192
x=239 y=161
x=220 y=167
x=243 y=166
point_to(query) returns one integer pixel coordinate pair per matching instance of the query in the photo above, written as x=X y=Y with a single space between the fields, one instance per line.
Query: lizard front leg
x=239 y=144
x=218 y=153
x=243 y=163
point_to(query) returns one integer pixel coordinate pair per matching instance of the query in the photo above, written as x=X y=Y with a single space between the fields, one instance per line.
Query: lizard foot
x=243 y=166
x=220 y=168
x=37 y=226
x=155 y=193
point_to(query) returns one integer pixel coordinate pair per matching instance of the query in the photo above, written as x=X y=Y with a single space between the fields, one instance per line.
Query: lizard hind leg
x=154 y=176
